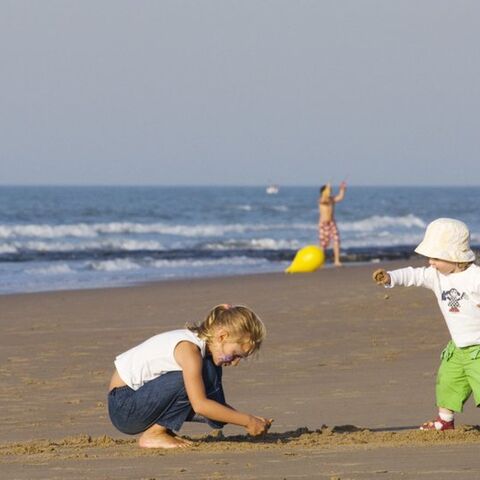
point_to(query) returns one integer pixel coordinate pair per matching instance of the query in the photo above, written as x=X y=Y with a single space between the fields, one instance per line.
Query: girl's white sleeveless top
x=154 y=357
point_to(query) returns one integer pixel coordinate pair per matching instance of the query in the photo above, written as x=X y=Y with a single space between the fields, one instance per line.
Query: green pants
x=458 y=376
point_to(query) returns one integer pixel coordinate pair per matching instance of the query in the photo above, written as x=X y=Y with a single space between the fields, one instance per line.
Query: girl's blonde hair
x=239 y=321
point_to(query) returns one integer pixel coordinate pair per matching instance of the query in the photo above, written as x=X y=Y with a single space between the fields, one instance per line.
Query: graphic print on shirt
x=453 y=297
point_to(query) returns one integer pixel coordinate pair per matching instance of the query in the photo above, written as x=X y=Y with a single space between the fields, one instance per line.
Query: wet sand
x=347 y=372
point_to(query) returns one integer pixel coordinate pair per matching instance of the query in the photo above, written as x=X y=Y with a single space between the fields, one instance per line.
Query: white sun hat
x=447 y=239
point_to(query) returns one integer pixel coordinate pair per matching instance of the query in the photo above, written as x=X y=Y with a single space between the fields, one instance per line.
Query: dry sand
x=347 y=372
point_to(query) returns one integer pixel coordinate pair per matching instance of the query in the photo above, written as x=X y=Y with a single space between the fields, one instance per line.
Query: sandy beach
x=347 y=372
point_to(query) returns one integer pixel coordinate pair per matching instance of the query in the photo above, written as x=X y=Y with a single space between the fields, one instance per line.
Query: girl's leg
x=157 y=436
x=160 y=437
x=155 y=409
x=168 y=415
x=161 y=406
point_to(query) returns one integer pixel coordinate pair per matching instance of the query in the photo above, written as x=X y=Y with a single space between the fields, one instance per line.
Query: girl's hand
x=381 y=277
x=258 y=425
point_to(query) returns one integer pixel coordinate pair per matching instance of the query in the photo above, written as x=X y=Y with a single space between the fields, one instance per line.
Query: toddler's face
x=443 y=266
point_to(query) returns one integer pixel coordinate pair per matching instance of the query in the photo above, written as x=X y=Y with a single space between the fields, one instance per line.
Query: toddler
x=455 y=281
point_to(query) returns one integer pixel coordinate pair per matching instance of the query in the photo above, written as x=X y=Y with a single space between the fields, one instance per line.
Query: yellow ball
x=307 y=259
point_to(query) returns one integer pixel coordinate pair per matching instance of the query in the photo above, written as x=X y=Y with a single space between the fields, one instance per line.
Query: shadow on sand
x=349 y=433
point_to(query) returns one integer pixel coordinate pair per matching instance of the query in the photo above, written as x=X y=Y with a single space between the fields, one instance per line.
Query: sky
x=223 y=92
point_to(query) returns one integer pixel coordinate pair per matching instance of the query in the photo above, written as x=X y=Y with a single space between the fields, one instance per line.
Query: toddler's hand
x=381 y=277
x=258 y=425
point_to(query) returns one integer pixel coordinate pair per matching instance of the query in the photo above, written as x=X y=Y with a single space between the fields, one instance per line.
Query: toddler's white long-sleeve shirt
x=458 y=295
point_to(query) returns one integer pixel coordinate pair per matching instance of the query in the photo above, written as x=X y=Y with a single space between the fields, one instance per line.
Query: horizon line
x=218 y=185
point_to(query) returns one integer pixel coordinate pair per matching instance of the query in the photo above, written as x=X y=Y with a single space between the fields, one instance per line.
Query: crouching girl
x=176 y=376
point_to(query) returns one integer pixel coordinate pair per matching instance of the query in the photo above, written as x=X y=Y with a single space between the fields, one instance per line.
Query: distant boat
x=272 y=189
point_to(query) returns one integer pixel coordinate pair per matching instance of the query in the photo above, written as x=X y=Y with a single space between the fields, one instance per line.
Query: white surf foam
x=110 y=245
x=230 y=261
x=280 y=208
x=6 y=248
x=254 y=244
x=85 y=230
x=50 y=270
x=377 y=222
x=113 y=265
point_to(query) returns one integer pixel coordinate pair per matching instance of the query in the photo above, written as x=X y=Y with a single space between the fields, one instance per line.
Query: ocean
x=55 y=238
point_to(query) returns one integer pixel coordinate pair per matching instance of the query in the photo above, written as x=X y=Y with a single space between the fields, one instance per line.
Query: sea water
x=55 y=238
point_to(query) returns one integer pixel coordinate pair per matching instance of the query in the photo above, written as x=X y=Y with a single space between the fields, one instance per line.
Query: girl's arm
x=189 y=358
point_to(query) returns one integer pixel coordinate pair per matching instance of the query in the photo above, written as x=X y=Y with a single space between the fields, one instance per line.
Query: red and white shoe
x=438 y=424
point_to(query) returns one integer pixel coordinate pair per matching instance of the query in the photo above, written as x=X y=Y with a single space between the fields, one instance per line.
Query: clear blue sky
x=240 y=92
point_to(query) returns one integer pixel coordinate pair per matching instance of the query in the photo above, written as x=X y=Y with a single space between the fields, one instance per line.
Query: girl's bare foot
x=160 y=437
